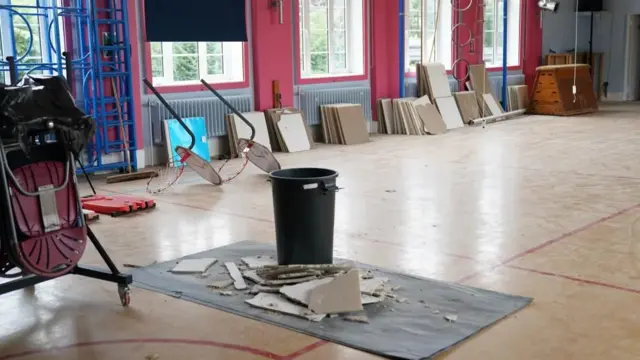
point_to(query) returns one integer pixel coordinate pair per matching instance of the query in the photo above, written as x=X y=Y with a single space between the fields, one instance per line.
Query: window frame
x=520 y=37
x=445 y=39
x=228 y=54
x=339 y=77
x=47 y=55
x=195 y=86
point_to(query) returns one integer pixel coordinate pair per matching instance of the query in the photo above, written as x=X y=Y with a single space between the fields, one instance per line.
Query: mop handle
x=171 y=111
x=224 y=101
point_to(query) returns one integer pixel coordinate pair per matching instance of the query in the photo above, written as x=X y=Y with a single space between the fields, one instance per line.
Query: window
x=183 y=63
x=27 y=41
x=331 y=38
x=493 y=32
x=436 y=33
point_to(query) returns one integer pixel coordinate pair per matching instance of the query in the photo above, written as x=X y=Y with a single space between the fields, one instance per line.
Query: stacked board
x=434 y=112
x=468 y=105
x=518 y=97
x=480 y=84
x=237 y=129
x=441 y=95
x=288 y=137
x=344 y=124
x=409 y=116
x=422 y=81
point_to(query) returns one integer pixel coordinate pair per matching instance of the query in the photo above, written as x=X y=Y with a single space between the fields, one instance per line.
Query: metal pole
x=69 y=71
x=504 y=54
x=235 y=111
x=591 y=48
x=13 y=72
x=401 y=44
x=499 y=117
x=171 y=111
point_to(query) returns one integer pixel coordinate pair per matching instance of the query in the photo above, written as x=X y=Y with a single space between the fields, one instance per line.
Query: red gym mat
x=116 y=205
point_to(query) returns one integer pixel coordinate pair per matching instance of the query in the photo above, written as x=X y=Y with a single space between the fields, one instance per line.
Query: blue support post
x=96 y=73
x=504 y=54
x=401 y=45
x=57 y=34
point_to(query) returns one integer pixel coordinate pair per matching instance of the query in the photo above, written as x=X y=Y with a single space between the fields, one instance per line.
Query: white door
x=636 y=64
x=631 y=65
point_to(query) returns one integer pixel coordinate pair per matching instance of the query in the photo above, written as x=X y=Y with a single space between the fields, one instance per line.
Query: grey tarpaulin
x=413 y=330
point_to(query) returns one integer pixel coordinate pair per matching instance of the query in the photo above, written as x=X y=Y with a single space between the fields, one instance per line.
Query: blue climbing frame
x=95 y=34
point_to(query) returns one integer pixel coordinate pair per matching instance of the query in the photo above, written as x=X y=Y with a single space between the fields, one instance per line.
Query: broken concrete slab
x=288 y=281
x=451 y=318
x=193 y=266
x=368 y=299
x=272 y=272
x=340 y=295
x=255 y=262
x=238 y=280
x=253 y=276
x=372 y=286
x=357 y=318
x=266 y=289
x=300 y=292
x=366 y=274
x=277 y=303
x=221 y=284
x=295 y=275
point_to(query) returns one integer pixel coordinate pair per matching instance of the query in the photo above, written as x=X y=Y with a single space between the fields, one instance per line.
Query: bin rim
x=273 y=174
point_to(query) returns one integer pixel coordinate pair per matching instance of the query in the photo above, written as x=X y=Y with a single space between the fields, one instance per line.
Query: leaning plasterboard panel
x=450 y=113
x=258 y=121
x=438 y=80
x=293 y=132
x=490 y=100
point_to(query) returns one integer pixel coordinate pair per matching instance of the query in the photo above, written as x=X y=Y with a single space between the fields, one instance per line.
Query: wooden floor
x=544 y=207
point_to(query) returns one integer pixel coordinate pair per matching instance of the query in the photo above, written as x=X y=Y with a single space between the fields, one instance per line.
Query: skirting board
x=373 y=127
x=157 y=155
x=613 y=97
x=116 y=157
x=316 y=130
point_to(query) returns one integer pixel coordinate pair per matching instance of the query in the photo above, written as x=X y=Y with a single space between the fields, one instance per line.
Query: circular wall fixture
x=453 y=67
x=453 y=37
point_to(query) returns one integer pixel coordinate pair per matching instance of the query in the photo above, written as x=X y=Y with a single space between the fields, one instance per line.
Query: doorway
x=632 y=60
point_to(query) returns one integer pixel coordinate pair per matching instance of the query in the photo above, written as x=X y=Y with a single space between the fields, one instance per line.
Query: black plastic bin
x=304 y=211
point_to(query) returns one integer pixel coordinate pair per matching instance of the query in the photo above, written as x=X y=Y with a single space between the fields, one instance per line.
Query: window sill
x=499 y=68
x=323 y=79
x=197 y=86
x=413 y=74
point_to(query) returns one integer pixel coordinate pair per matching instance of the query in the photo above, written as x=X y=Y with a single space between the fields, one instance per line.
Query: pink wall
x=384 y=49
x=532 y=43
x=136 y=76
x=272 y=46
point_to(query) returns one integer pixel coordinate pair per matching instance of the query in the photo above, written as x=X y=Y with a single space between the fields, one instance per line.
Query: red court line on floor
x=305 y=350
x=579 y=280
x=549 y=242
x=189 y=206
x=246 y=349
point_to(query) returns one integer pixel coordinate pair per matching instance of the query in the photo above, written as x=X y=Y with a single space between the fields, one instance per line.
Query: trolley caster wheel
x=125 y=295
